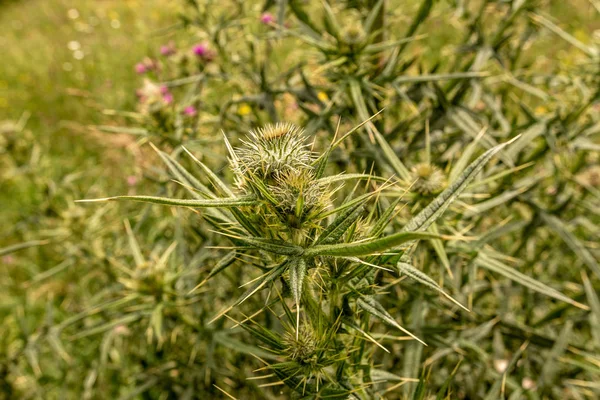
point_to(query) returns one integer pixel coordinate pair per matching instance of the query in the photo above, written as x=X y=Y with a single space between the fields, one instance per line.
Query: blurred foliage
x=120 y=299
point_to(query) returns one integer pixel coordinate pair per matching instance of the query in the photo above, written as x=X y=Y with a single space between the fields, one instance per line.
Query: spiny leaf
x=465 y=156
x=384 y=219
x=594 y=303
x=550 y=368
x=494 y=392
x=347 y=177
x=440 y=77
x=199 y=203
x=223 y=263
x=331 y=21
x=343 y=221
x=183 y=175
x=135 y=247
x=373 y=307
x=494 y=265
x=435 y=209
x=211 y=175
x=297 y=273
x=576 y=246
x=388 y=152
x=372 y=16
x=273 y=246
x=368 y=246
x=424 y=279
x=265 y=335
x=270 y=276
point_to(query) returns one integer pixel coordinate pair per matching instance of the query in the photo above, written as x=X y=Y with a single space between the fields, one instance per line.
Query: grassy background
x=65 y=61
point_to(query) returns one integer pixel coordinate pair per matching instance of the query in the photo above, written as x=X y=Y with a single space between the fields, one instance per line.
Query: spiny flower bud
x=293 y=187
x=428 y=179
x=272 y=151
x=302 y=346
x=353 y=34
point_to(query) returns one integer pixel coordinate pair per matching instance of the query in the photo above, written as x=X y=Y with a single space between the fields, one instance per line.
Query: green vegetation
x=369 y=199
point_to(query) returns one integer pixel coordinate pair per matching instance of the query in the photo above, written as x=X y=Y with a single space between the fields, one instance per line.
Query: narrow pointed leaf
x=594 y=303
x=573 y=242
x=273 y=246
x=199 y=203
x=297 y=273
x=368 y=246
x=373 y=307
x=340 y=225
x=424 y=279
x=494 y=265
x=550 y=368
x=379 y=226
x=184 y=176
x=135 y=248
x=221 y=265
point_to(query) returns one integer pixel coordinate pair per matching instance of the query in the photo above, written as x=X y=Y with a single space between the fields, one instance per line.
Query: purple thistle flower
x=204 y=52
x=267 y=18
x=168 y=49
x=168 y=98
x=201 y=49
x=190 y=111
x=141 y=68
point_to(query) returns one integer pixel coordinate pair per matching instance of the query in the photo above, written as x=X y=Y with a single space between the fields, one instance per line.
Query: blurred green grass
x=64 y=62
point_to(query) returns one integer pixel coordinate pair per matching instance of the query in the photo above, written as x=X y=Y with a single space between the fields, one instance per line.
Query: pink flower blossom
x=190 y=111
x=168 y=49
x=204 y=52
x=267 y=18
x=201 y=49
x=164 y=90
x=132 y=180
x=168 y=98
x=140 y=68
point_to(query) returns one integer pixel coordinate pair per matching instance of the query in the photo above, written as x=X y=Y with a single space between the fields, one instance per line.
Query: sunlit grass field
x=65 y=62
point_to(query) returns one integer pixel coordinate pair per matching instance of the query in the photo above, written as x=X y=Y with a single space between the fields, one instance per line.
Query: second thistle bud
x=428 y=179
x=302 y=347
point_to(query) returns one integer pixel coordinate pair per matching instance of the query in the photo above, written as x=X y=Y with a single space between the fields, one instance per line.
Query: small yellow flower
x=581 y=35
x=323 y=96
x=244 y=109
x=541 y=110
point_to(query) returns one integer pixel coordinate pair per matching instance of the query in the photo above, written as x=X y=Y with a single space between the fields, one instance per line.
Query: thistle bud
x=353 y=34
x=428 y=179
x=272 y=152
x=301 y=347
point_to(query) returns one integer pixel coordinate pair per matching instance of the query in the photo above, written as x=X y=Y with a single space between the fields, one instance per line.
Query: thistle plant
x=321 y=260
